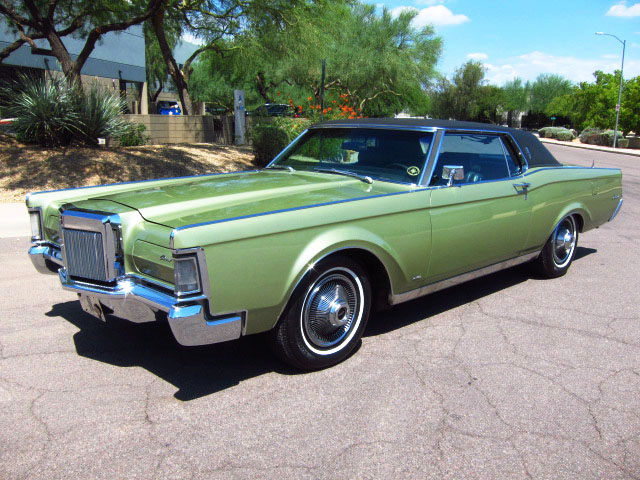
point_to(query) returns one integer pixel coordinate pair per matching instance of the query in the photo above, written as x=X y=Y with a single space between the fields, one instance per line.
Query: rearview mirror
x=452 y=172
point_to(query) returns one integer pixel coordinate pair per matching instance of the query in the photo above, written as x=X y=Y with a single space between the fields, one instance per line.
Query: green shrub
x=566 y=136
x=623 y=142
x=271 y=137
x=99 y=113
x=44 y=110
x=595 y=136
x=268 y=140
x=292 y=126
x=133 y=135
x=559 y=133
x=591 y=135
x=607 y=137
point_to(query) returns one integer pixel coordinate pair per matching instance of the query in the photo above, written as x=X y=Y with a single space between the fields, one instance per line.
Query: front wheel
x=326 y=316
x=558 y=252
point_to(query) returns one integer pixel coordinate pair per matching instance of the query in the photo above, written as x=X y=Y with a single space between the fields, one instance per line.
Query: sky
x=525 y=38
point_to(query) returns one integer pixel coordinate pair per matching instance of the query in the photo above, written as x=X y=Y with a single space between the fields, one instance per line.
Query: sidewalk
x=623 y=151
x=15 y=220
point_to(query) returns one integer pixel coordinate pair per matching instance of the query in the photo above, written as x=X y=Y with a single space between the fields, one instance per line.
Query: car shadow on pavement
x=430 y=305
x=201 y=371
x=194 y=371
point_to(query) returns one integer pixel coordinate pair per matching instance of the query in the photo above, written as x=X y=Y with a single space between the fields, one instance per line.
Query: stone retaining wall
x=186 y=128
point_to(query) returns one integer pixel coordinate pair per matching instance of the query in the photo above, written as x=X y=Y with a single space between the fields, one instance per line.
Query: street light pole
x=624 y=44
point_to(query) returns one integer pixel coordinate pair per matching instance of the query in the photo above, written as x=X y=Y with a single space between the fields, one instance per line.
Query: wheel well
x=580 y=221
x=376 y=272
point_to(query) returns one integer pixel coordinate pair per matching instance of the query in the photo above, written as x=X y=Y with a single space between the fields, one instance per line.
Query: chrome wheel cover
x=331 y=311
x=564 y=242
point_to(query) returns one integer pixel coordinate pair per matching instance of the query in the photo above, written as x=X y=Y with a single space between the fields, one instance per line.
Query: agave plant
x=51 y=111
x=44 y=109
x=99 y=113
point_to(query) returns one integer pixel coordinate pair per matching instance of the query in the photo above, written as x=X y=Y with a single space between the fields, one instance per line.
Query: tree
x=547 y=87
x=630 y=110
x=211 y=21
x=490 y=104
x=460 y=98
x=156 y=67
x=379 y=62
x=516 y=98
x=53 y=20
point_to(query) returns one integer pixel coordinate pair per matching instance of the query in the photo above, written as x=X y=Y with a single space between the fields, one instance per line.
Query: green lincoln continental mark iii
x=353 y=216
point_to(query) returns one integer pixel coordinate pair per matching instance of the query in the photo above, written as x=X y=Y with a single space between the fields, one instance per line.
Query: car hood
x=222 y=197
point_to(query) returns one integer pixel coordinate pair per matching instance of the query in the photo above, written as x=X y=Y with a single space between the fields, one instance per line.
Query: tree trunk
x=154 y=97
x=157 y=21
x=262 y=87
x=69 y=68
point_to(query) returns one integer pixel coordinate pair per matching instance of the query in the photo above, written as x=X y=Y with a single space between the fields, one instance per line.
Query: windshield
x=393 y=155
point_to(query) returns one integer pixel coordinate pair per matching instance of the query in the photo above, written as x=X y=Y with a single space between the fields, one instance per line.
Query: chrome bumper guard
x=139 y=303
x=134 y=301
x=45 y=258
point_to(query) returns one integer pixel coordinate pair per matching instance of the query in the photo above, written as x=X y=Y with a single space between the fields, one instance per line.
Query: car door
x=482 y=218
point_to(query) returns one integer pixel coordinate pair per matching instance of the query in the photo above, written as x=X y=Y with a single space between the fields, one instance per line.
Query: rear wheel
x=558 y=252
x=326 y=316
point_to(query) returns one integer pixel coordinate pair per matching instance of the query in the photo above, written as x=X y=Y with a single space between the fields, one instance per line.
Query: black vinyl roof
x=536 y=153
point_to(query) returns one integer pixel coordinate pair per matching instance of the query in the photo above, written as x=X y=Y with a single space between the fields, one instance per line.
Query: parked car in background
x=273 y=110
x=168 y=107
x=352 y=217
x=210 y=110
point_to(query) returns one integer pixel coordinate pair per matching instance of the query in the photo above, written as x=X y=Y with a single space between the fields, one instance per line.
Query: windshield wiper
x=282 y=167
x=347 y=173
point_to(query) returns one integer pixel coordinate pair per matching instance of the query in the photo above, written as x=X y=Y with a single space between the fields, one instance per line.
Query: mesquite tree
x=52 y=20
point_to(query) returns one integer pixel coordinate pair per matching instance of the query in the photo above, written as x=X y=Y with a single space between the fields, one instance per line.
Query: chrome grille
x=85 y=256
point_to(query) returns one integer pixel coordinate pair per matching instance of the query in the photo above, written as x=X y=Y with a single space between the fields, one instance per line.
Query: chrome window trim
x=458 y=279
x=498 y=133
x=287 y=148
x=439 y=136
x=491 y=132
x=504 y=152
x=573 y=167
x=379 y=126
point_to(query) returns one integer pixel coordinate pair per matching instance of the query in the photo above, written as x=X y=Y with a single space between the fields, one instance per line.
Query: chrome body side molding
x=395 y=299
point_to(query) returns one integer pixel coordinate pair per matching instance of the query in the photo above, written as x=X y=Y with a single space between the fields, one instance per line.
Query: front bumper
x=131 y=299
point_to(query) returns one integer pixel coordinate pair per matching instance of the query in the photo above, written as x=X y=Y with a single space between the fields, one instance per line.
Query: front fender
x=340 y=240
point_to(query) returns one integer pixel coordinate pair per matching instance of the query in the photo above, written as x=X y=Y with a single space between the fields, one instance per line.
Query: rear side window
x=482 y=157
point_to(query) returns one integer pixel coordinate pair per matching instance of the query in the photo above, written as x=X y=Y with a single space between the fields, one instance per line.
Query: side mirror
x=452 y=172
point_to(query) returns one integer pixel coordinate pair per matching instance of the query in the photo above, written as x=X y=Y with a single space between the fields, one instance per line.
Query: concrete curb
x=619 y=151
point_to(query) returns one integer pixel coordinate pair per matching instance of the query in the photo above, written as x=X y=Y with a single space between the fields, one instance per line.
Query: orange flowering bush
x=335 y=109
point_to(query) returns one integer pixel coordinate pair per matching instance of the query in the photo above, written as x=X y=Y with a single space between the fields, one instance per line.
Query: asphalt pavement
x=506 y=377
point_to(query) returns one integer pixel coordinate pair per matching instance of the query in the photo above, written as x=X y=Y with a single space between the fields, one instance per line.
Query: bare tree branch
x=4 y=53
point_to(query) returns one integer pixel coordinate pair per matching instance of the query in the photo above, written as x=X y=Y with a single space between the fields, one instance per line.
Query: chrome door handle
x=522 y=188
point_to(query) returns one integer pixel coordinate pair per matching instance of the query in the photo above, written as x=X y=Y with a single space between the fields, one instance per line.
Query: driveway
x=505 y=377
